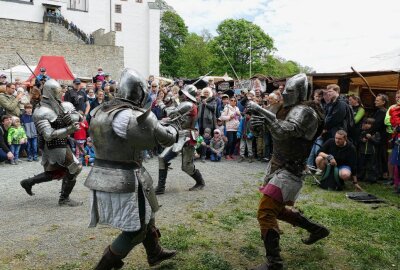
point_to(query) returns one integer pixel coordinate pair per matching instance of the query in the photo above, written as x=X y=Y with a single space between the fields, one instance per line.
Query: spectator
x=78 y=98
x=15 y=138
x=336 y=112
x=154 y=91
x=220 y=125
x=358 y=114
x=80 y=139
x=35 y=97
x=339 y=152
x=3 y=79
x=198 y=146
x=231 y=115
x=90 y=95
x=368 y=141
x=10 y=102
x=381 y=104
x=317 y=100
x=205 y=145
x=31 y=133
x=107 y=80
x=245 y=136
x=392 y=119
x=216 y=146
x=107 y=94
x=98 y=86
x=5 y=152
x=41 y=78
x=207 y=110
x=25 y=99
x=90 y=155
x=100 y=76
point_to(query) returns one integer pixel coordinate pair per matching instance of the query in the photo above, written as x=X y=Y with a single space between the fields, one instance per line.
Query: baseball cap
x=224 y=96
x=76 y=81
x=42 y=69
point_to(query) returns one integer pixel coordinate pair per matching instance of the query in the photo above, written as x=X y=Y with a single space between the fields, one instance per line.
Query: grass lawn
x=363 y=236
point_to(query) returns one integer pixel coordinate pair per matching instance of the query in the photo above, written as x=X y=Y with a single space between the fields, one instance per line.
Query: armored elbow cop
x=166 y=135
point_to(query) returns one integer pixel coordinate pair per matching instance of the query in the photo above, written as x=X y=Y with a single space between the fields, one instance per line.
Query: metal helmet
x=132 y=88
x=296 y=90
x=52 y=91
x=190 y=91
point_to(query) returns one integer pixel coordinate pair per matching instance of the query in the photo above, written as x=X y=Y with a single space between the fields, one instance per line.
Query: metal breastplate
x=291 y=153
x=57 y=142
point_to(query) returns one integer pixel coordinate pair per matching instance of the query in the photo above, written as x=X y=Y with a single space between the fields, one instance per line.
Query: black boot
x=28 y=183
x=155 y=253
x=272 y=250
x=199 y=181
x=317 y=231
x=67 y=186
x=162 y=178
x=109 y=261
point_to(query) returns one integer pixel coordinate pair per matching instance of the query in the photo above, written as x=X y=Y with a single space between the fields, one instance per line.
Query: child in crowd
x=90 y=155
x=198 y=146
x=217 y=146
x=367 y=144
x=80 y=138
x=31 y=133
x=16 y=137
x=220 y=125
x=205 y=145
x=245 y=136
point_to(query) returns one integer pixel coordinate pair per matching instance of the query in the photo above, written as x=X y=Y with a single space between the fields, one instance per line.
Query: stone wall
x=32 y=40
x=58 y=33
x=82 y=59
x=21 y=29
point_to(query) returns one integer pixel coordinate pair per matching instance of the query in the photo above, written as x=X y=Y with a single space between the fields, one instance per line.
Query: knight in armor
x=293 y=128
x=122 y=193
x=54 y=121
x=187 y=109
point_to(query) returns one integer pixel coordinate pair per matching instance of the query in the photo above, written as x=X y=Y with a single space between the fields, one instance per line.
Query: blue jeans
x=215 y=157
x=314 y=150
x=32 y=148
x=3 y=155
x=15 y=150
x=230 y=148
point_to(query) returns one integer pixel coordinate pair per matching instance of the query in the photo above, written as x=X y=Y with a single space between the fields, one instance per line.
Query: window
x=118 y=26
x=139 y=1
x=118 y=9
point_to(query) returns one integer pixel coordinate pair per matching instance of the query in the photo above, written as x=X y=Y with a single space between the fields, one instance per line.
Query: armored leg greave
x=67 y=186
x=40 y=178
x=109 y=261
x=272 y=249
x=162 y=178
x=316 y=230
x=199 y=181
x=155 y=253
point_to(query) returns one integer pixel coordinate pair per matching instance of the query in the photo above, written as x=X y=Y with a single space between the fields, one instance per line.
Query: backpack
x=330 y=179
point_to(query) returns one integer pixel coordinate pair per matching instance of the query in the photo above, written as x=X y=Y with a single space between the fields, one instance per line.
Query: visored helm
x=133 y=88
x=296 y=90
x=190 y=91
x=52 y=90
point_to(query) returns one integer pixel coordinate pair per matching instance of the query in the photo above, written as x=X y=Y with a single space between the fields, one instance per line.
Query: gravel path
x=35 y=232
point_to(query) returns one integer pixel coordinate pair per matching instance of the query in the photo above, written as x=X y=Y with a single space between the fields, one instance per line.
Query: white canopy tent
x=20 y=71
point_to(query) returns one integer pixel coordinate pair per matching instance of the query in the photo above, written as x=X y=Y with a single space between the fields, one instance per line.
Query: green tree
x=234 y=37
x=173 y=33
x=194 y=57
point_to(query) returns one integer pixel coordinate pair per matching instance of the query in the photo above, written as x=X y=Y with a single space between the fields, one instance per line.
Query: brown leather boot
x=272 y=250
x=109 y=261
x=155 y=253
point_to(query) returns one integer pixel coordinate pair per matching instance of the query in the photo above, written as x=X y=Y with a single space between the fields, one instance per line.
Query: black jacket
x=344 y=156
x=3 y=139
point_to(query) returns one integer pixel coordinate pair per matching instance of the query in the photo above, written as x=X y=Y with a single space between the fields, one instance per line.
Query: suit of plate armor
x=55 y=120
x=186 y=142
x=122 y=190
x=293 y=130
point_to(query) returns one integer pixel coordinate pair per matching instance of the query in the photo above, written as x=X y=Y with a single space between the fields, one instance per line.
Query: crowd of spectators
x=354 y=140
